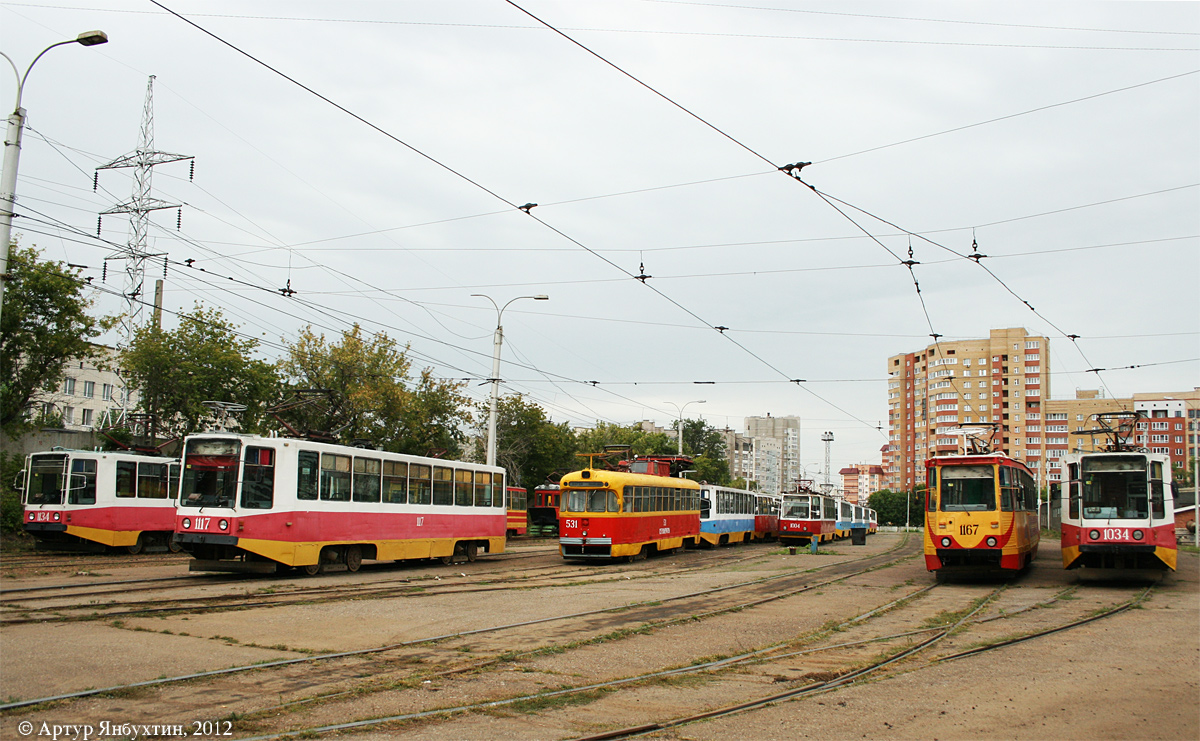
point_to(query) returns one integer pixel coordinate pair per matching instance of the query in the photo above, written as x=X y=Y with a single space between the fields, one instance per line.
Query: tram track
x=649 y=613
x=22 y=608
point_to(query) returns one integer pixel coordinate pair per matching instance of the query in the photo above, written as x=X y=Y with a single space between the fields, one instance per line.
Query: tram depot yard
x=530 y=646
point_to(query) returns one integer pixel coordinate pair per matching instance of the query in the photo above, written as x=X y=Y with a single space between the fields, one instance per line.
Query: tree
x=44 y=323
x=640 y=441
x=369 y=395
x=707 y=446
x=890 y=506
x=203 y=359
x=528 y=445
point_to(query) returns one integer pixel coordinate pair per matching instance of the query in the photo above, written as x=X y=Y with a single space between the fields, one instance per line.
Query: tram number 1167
x=968 y=529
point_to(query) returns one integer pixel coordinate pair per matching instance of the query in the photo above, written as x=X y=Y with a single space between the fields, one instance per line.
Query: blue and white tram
x=726 y=515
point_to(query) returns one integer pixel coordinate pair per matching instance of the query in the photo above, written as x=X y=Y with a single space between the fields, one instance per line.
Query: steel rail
x=404 y=644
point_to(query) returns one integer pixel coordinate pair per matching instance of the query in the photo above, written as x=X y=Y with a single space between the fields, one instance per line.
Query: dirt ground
x=1132 y=676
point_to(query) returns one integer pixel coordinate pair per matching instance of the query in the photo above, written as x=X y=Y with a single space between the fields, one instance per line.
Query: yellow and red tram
x=628 y=513
x=982 y=515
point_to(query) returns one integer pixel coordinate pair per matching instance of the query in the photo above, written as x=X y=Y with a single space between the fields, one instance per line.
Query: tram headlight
x=991 y=541
x=1137 y=534
x=946 y=542
x=31 y=517
x=223 y=524
x=57 y=516
x=1094 y=534
x=187 y=523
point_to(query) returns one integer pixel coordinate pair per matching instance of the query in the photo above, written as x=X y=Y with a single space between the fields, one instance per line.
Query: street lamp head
x=541 y=297
x=92 y=38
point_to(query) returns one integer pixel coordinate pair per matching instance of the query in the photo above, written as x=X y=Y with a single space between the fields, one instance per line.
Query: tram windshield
x=1115 y=487
x=210 y=473
x=967 y=489
x=46 y=479
x=797 y=508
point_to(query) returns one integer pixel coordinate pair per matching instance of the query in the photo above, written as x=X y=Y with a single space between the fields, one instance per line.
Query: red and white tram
x=250 y=503
x=87 y=500
x=1118 y=512
x=806 y=516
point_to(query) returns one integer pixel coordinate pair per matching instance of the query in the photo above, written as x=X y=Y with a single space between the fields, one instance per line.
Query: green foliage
x=528 y=445
x=711 y=470
x=701 y=440
x=10 y=498
x=890 y=506
x=44 y=323
x=1183 y=475
x=371 y=397
x=204 y=359
x=641 y=442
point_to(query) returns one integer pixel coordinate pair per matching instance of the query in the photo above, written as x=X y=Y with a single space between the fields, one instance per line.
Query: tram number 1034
x=968 y=529
x=1110 y=534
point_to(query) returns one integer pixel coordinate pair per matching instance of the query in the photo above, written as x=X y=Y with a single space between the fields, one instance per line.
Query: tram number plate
x=1115 y=535
x=571 y=523
x=968 y=529
x=41 y=517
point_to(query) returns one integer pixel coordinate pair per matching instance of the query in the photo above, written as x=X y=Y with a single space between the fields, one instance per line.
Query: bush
x=10 y=499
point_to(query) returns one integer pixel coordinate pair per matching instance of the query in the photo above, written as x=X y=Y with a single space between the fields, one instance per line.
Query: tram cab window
x=1115 y=487
x=126 y=479
x=45 y=479
x=367 y=479
x=420 y=488
x=705 y=504
x=1074 y=490
x=797 y=509
x=967 y=489
x=602 y=501
x=307 y=478
x=395 y=482
x=575 y=501
x=258 y=478
x=82 y=488
x=335 y=477
x=443 y=485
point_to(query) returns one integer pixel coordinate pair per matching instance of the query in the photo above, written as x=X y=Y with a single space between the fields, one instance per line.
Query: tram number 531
x=571 y=523
x=968 y=529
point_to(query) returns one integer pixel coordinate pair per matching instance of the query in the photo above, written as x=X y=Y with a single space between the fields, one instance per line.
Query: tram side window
x=395 y=482
x=463 y=488
x=627 y=499
x=367 y=479
x=443 y=485
x=173 y=471
x=258 y=478
x=335 y=477
x=484 y=492
x=1156 y=490
x=307 y=465
x=639 y=499
x=82 y=488
x=420 y=487
x=126 y=479
x=151 y=481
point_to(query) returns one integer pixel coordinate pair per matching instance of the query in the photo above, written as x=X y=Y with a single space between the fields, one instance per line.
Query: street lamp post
x=681 y=408
x=497 y=341
x=12 y=149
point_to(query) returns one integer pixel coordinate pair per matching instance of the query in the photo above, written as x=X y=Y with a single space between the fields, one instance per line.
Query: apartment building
x=861 y=480
x=92 y=395
x=1000 y=380
x=775 y=442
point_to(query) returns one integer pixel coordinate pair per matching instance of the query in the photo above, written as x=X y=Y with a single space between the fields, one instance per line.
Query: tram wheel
x=138 y=546
x=472 y=550
x=353 y=558
x=311 y=569
x=173 y=545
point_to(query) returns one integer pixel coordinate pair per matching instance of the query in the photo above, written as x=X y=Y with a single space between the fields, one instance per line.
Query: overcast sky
x=1061 y=137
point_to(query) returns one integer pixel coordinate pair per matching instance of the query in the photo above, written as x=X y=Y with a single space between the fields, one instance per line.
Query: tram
x=805 y=516
x=543 y=511
x=766 y=518
x=642 y=508
x=92 y=500
x=982 y=514
x=1117 y=507
x=516 y=521
x=256 y=504
x=727 y=515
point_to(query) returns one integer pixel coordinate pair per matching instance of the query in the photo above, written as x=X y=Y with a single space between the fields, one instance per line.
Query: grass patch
x=553 y=702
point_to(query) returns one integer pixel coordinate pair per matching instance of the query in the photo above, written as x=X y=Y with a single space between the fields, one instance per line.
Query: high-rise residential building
x=776 y=465
x=860 y=481
x=92 y=395
x=1000 y=380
